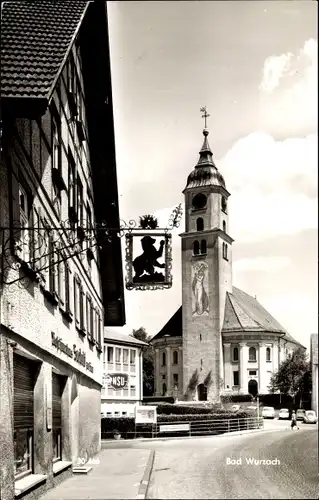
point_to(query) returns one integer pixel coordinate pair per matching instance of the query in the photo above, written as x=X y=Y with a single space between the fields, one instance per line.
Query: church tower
x=206 y=276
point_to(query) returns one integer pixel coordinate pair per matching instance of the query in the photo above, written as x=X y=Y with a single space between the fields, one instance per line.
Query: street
x=198 y=468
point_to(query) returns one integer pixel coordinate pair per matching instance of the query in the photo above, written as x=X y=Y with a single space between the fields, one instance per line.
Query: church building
x=221 y=340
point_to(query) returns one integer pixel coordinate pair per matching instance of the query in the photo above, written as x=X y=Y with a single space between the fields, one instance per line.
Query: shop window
x=200 y=224
x=196 y=248
x=203 y=247
x=235 y=354
x=110 y=354
x=252 y=354
x=175 y=358
x=236 y=378
x=57 y=390
x=268 y=354
x=163 y=359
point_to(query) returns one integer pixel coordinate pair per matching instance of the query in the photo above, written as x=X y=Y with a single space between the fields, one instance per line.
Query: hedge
x=167 y=409
x=126 y=426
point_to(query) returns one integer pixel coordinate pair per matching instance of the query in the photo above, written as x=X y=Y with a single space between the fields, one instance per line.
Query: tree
x=293 y=376
x=148 y=361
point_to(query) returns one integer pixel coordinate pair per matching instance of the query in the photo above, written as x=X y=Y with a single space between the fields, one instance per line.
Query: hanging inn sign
x=29 y=254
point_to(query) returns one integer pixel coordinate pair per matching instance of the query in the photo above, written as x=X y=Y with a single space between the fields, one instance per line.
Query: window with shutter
x=24 y=375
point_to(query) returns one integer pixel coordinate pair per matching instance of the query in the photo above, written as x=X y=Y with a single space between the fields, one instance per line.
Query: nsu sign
x=115 y=381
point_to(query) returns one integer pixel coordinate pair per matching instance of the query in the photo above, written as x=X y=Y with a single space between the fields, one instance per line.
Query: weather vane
x=205 y=115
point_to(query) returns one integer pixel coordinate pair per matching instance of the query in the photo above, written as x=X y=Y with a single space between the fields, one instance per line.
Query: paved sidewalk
x=117 y=476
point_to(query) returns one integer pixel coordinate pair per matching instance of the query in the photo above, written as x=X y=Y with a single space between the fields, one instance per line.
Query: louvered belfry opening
x=58 y=383
x=23 y=414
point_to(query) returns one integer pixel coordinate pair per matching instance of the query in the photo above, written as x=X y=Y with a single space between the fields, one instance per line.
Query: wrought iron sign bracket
x=28 y=254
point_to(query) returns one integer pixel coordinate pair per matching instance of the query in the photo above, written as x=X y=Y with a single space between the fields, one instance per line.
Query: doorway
x=202 y=392
x=253 y=387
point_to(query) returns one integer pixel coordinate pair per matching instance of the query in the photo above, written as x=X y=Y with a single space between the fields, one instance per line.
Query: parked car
x=310 y=417
x=283 y=414
x=268 y=412
x=300 y=414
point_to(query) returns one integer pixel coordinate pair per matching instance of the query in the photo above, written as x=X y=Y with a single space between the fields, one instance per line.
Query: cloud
x=275 y=67
x=289 y=97
x=268 y=264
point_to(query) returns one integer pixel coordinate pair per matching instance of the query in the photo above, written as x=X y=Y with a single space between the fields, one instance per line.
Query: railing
x=189 y=428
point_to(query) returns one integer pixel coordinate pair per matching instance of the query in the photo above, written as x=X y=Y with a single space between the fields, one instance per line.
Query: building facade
x=314 y=372
x=59 y=284
x=221 y=340
x=122 y=374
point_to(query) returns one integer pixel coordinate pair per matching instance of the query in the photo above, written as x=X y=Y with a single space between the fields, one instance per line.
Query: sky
x=254 y=65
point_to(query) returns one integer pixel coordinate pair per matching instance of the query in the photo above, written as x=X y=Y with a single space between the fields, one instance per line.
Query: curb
x=142 y=491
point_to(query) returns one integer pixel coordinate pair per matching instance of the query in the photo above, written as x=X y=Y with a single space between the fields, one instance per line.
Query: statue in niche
x=147 y=261
x=198 y=288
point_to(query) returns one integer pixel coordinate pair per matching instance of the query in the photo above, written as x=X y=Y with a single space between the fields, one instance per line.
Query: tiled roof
x=173 y=328
x=246 y=314
x=113 y=336
x=35 y=39
x=243 y=314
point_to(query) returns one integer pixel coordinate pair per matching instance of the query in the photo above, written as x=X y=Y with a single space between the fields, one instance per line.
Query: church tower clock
x=206 y=276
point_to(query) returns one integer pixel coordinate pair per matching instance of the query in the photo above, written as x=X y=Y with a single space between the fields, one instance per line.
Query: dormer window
x=224 y=204
x=200 y=224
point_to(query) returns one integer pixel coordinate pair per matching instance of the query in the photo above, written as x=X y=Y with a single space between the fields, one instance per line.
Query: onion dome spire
x=205 y=172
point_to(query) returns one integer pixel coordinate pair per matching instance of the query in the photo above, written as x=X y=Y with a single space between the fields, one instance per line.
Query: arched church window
x=268 y=354
x=225 y=251
x=164 y=390
x=164 y=359
x=224 y=204
x=252 y=354
x=235 y=354
x=175 y=358
x=200 y=224
x=224 y=226
x=196 y=247
x=203 y=246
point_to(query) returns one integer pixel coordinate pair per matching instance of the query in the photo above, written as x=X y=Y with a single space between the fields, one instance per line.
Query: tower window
x=199 y=201
x=268 y=352
x=196 y=248
x=235 y=355
x=175 y=358
x=224 y=226
x=203 y=247
x=164 y=359
x=225 y=251
x=200 y=337
x=224 y=204
x=200 y=224
x=252 y=354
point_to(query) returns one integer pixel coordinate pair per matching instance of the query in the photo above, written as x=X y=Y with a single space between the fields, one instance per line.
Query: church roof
x=243 y=314
x=205 y=172
x=173 y=328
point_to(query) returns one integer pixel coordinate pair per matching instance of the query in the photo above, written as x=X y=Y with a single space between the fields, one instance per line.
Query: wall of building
x=122 y=401
x=314 y=370
x=53 y=313
x=168 y=375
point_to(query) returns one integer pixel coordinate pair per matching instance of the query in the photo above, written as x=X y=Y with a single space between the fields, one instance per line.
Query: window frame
x=250 y=358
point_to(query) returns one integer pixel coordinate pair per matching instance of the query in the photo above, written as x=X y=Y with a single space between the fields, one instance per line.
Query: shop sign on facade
x=115 y=381
x=77 y=354
x=145 y=415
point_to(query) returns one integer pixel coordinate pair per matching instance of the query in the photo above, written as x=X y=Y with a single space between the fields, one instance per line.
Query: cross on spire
x=205 y=115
